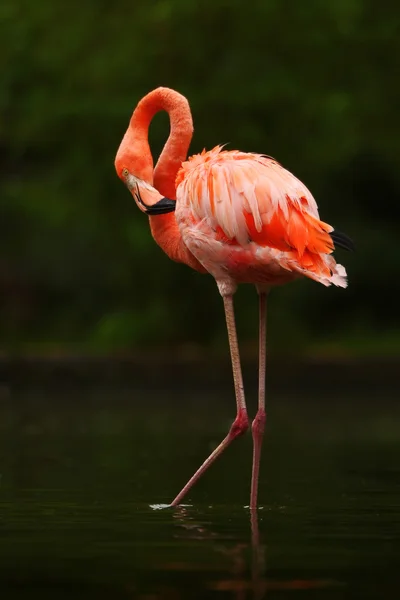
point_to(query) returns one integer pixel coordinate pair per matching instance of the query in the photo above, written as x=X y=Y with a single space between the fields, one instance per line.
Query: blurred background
x=94 y=435
x=313 y=84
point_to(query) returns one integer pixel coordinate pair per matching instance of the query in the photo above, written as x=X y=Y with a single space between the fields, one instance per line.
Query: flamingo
x=239 y=216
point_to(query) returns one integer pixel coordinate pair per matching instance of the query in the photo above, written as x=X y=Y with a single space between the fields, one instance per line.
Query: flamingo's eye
x=125 y=173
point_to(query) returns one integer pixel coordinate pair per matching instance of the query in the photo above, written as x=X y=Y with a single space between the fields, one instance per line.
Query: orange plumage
x=252 y=205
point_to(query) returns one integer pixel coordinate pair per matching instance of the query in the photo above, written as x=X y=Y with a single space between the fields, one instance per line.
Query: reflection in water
x=258 y=555
x=243 y=584
x=237 y=554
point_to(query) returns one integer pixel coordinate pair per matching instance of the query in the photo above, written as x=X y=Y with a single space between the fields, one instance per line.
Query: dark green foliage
x=313 y=84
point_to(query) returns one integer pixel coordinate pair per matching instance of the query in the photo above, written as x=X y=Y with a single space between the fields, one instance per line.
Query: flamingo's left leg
x=258 y=424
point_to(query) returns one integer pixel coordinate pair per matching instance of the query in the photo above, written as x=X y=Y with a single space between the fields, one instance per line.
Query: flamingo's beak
x=162 y=207
x=147 y=198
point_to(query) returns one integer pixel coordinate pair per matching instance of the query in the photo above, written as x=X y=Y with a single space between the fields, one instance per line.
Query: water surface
x=85 y=475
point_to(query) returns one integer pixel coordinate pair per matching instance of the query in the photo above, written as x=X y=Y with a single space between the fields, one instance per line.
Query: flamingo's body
x=241 y=217
x=245 y=217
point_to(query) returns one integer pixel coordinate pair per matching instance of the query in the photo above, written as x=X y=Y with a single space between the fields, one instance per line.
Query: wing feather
x=249 y=197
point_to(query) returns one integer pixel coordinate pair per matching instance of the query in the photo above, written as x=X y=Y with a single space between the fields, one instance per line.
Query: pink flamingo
x=241 y=217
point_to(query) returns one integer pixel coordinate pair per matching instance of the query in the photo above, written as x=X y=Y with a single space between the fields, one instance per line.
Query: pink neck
x=164 y=228
x=177 y=146
x=175 y=150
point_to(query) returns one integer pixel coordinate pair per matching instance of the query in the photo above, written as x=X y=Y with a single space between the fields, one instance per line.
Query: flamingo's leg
x=241 y=423
x=258 y=424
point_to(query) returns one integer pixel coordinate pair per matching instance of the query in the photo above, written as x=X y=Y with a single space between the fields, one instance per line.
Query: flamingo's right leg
x=241 y=423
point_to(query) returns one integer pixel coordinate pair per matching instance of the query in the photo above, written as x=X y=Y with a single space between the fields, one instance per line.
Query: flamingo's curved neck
x=164 y=228
x=175 y=150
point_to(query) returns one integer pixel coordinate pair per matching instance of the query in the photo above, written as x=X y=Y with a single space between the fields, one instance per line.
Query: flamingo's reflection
x=247 y=561
x=240 y=554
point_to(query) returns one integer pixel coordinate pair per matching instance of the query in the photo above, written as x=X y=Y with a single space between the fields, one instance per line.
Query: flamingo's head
x=147 y=198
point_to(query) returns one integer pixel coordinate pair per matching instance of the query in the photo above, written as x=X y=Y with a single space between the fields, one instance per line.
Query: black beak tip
x=162 y=207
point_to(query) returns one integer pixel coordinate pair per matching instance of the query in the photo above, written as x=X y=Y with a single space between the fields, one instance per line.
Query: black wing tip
x=341 y=240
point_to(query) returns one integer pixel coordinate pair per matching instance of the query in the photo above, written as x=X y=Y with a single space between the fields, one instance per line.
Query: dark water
x=84 y=475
